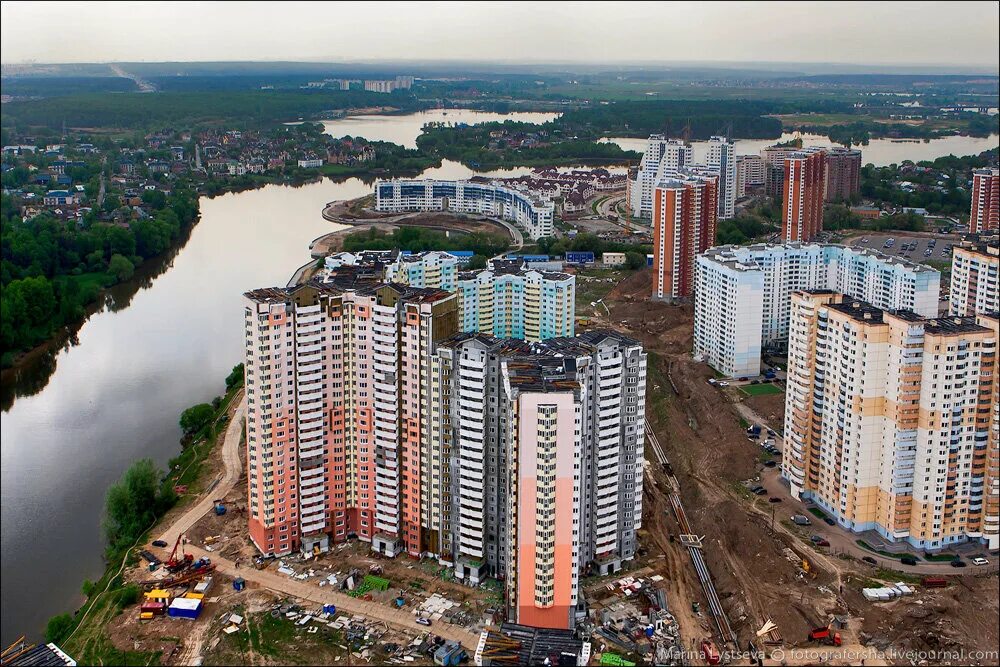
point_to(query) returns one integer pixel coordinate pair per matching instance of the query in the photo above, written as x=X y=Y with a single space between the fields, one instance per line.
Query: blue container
x=580 y=257
x=239 y=583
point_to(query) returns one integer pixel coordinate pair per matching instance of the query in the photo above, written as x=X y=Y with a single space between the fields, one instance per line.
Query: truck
x=825 y=635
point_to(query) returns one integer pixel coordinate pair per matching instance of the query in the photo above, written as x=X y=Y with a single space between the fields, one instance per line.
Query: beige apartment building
x=891 y=420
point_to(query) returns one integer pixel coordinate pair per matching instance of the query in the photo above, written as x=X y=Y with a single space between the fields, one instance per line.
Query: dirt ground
x=756 y=580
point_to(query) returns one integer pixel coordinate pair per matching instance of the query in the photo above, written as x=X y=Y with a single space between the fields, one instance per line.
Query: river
x=76 y=418
x=880 y=152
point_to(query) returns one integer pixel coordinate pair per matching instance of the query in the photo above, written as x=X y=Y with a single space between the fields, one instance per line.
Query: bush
x=235 y=378
x=58 y=628
x=133 y=502
x=195 y=418
x=126 y=596
x=88 y=587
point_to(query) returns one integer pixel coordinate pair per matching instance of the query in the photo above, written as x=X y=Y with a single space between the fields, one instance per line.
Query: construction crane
x=174 y=564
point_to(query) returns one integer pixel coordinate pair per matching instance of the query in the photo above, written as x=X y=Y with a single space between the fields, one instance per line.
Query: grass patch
x=892 y=576
x=760 y=389
x=817 y=512
x=744 y=424
x=940 y=558
x=656 y=398
x=887 y=554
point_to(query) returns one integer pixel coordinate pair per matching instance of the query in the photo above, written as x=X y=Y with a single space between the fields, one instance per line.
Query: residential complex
x=526 y=209
x=508 y=299
x=985 y=211
x=368 y=414
x=891 y=420
x=843 y=173
x=722 y=158
x=804 y=189
x=742 y=294
x=774 y=168
x=975 y=279
x=663 y=158
x=685 y=212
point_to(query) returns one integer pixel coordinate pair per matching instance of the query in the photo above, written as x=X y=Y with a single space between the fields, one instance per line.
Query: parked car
x=908 y=560
x=869 y=560
x=828 y=521
x=423 y=621
x=816 y=538
x=774 y=499
x=770 y=464
x=958 y=562
x=723 y=384
x=823 y=543
x=801 y=520
x=159 y=543
x=979 y=560
x=759 y=490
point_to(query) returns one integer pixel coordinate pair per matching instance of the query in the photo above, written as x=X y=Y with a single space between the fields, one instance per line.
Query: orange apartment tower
x=985 y=213
x=805 y=190
x=685 y=214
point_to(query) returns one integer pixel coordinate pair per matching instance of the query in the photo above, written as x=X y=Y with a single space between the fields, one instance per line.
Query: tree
x=58 y=628
x=133 y=503
x=235 y=378
x=120 y=267
x=155 y=198
x=196 y=418
x=634 y=261
x=476 y=262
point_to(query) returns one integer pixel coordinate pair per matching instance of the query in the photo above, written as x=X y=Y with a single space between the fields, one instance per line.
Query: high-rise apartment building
x=985 y=211
x=774 y=168
x=742 y=294
x=750 y=173
x=368 y=415
x=975 y=279
x=338 y=393
x=891 y=420
x=685 y=213
x=804 y=192
x=546 y=445
x=843 y=173
x=663 y=158
x=509 y=301
x=722 y=158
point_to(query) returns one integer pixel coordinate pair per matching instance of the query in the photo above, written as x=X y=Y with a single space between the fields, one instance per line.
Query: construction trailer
x=185 y=608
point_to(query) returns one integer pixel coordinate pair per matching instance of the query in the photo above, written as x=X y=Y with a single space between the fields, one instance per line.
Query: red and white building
x=685 y=214
x=804 y=193
x=985 y=213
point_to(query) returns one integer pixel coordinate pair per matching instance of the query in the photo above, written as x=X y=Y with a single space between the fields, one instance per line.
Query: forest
x=51 y=270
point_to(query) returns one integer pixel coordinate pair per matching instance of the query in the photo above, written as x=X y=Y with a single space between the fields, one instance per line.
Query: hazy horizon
x=942 y=36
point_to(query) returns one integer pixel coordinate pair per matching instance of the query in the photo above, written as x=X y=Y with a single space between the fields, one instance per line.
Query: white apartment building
x=532 y=213
x=975 y=279
x=742 y=294
x=891 y=420
x=750 y=172
x=722 y=158
x=662 y=159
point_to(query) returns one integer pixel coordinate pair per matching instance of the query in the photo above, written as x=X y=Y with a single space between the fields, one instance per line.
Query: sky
x=939 y=33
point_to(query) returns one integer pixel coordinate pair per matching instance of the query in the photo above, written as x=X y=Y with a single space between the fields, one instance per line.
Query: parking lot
x=914 y=248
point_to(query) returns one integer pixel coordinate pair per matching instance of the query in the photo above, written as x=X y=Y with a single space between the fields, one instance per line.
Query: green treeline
x=52 y=269
x=418 y=239
x=189 y=109
x=698 y=119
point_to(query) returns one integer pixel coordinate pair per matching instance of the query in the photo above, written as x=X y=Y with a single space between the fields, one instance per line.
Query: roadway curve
x=280 y=583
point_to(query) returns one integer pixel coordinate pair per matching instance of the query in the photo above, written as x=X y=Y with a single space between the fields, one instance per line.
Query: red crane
x=174 y=564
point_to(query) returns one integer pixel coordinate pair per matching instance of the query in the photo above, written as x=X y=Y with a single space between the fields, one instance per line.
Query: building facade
x=774 y=168
x=722 y=158
x=750 y=173
x=663 y=158
x=891 y=420
x=975 y=279
x=532 y=213
x=804 y=190
x=843 y=173
x=685 y=214
x=742 y=294
x=985 y=211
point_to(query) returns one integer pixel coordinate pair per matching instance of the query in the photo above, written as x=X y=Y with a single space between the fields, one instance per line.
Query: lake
x=405 y=128
x=880 y=152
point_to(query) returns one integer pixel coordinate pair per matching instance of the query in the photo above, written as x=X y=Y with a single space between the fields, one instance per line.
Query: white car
x=723 y=384
x=980 y=561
